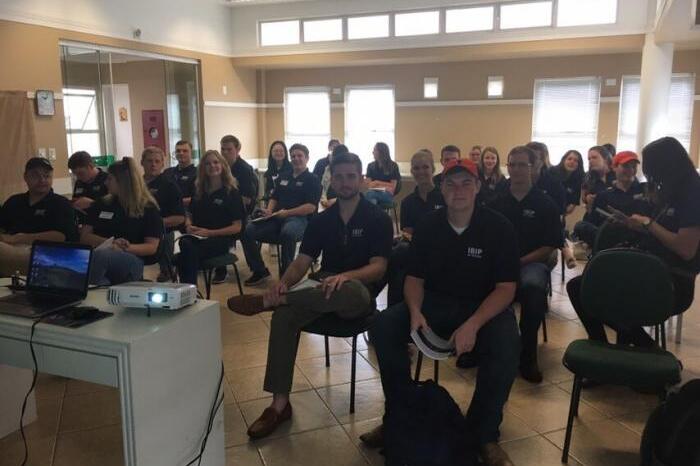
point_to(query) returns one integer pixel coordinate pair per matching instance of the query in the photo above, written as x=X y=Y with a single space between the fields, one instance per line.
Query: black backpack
x=672 y=434
x=423 y=426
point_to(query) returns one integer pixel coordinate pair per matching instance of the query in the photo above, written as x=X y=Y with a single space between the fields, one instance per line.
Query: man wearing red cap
x=461 y=279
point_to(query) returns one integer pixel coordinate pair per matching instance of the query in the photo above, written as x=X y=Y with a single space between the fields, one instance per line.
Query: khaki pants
x=351 y=301
x=13 y=259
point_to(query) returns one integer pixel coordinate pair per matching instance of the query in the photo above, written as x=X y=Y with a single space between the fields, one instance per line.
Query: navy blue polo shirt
x=218 y=209
x=168 y=196
x=94 y=189
x=535 y=219
x=108 y=219
x=553 y=188
x=245 y=176
x=414 y=208
x=320 y=167
x=437 y=180
x=632 y=201
x=345 y=247
x=469 y=265
x=491 y=189
x=273 y=174
x=594 y=184
x=184 y=178
x=51 y=213
x=292 y=191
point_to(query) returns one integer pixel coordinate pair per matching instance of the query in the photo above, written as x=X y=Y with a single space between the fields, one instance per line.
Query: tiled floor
x=79 y=423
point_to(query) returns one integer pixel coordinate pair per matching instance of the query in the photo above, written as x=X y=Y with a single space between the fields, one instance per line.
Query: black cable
x=31 y=388
x=218 y=401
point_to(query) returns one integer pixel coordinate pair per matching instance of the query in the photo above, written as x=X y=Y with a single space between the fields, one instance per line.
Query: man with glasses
x=461 y=280
x=536 y=220
x=38 y=214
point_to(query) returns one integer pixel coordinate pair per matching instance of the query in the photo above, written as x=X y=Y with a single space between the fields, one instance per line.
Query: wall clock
x=44 y=102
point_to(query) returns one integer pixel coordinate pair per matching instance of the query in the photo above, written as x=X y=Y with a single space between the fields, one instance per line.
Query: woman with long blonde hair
x=217 y=217
x=128 y=217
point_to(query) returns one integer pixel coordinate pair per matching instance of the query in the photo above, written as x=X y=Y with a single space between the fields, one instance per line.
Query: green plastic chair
x=208 y=266
x=631 y=288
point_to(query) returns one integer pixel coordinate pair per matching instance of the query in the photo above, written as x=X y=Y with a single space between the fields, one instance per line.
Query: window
x=417 y=24
x=307 y=120
x=469 y=19
x=679 y=113
x=366 y=27
x=565 y=114
x=430 y=88
x=495 y=87
x=578 y=13
x=82 y=124
x=323 y=29
x=526 y=15
x=279 y=33
x=369 y=118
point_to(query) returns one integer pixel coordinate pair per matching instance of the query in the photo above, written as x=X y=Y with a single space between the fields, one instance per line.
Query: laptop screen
x=59 y=268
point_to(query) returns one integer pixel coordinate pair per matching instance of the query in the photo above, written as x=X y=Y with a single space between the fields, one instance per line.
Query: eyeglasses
x=518 y=165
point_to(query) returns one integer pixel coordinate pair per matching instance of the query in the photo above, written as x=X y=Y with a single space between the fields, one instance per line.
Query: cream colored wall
x=241 y=122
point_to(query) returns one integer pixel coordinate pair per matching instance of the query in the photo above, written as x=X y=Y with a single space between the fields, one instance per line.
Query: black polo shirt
x=535 y=219
x=94 y=189
x=291 y=191
x=51 y=213
x=245 y=175
x=108 y=219
x=320 y=167
x=374 y=172
x=594 y=184
x=630 y=202
x=491 y=189
x=350 y=246
x=184 y=178
x=437 y=180
x=218 y=209
x=414 y=208
x=553 y=188
x=465 y=266
x=168 y=196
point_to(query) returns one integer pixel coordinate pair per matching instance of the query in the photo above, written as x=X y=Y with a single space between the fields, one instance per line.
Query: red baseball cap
x=461 y=164
x=623 y=157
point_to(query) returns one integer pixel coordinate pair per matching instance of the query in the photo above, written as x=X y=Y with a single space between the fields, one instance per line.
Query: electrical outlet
x=224 y=90
x=42 y=152
x=610 y=82
x=336 y=91
x=52 y=154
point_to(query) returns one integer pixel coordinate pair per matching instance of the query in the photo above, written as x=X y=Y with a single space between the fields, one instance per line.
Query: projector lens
x=156 y=298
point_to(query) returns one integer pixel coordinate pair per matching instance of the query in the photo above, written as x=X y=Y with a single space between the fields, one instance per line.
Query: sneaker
x=493 y=455
x=531 y=372
x=220 y=275
x=257 y=278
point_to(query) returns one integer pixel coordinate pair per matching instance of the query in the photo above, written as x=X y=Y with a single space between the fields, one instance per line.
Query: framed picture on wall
x=45 y=105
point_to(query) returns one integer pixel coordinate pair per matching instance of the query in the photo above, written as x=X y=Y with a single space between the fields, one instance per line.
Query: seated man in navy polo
x=90 y=181
x=626 y=195
x=354 y=238
x=462 y=275
x=184 y=173
x=169 y=199
x=38 y=214
x=293 y=200
x=536 y=220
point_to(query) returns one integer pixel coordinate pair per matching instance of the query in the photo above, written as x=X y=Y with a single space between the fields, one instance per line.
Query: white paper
x=106 y=244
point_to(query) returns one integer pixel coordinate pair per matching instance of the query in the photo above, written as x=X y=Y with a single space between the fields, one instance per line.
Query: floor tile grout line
x=58 y=423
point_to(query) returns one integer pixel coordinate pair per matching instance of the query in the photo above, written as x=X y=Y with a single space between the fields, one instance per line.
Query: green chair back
x=627 y=287
x=611 y=235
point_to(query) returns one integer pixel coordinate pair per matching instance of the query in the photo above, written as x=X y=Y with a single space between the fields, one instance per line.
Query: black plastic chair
x=330 y=325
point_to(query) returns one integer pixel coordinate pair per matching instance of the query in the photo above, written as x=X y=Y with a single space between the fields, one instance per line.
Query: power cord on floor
x=212 y=414
x=31 y=388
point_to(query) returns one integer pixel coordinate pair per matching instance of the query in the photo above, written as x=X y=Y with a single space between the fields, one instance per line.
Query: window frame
x=552 y=22
x=66 y=91
x=348 y=90
x=301 y=90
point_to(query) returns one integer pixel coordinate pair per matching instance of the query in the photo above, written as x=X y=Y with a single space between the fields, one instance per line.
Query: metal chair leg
x=238 y=279
x=328 y=357
x=353 y=372
x=662 y=328
x=679 y=328
x=436 y=370
x=419 y=363
x=573 y=411
x=207 y=281
x=563 y=267
x=279 y=260
x=544 y=328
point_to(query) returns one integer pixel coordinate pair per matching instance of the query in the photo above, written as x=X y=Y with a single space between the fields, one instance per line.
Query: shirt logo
x=153 y=190
x=438 y=206
x=528 y=213
x=218 y=201
x=474 y=253
x=106 y=215
x=638 y=196
x=300 y=183
x=184 y=178
x=78 y=190
x=40 y=212
x=357 y=232
x=670 y=212
x=284 y=182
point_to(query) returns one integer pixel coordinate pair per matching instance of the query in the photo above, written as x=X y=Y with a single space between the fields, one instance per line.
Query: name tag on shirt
x=153 y=191
x=638 y=196
x=40 y=212
x=438 y=206
x=218 y=201
x=96 y=187
x=284 y=182
x=79 y=191
x=184 y=178
x=106 y=215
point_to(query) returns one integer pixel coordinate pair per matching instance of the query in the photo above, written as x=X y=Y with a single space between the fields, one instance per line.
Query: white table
x=166 y=368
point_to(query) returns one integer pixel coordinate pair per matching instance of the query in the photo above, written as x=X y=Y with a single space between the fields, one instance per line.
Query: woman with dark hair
x=217 y=216
x=277 y=164
x=600 y=177
x=672 y=232
x=383 y=177
x=492 y=180
x=569 y=171
x=542 y=178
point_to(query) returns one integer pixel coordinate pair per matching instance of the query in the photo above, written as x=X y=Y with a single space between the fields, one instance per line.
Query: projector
x=148 y=295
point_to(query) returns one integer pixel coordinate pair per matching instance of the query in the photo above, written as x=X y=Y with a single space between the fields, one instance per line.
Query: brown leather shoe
x=268 y=422
x=493 y=455
x=374 y=438
x=246 y=304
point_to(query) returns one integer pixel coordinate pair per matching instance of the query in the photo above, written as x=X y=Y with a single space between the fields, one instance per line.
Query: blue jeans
x=532 y=296
x=112 y=267
x=380 y=198
x=287 y=232
x=497 y=348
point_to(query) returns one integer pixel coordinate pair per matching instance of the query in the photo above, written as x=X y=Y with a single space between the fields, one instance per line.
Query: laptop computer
x=57 y=278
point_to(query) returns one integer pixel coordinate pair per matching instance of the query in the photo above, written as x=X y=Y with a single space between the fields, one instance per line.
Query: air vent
x=113 y=297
